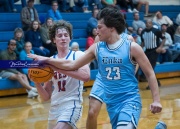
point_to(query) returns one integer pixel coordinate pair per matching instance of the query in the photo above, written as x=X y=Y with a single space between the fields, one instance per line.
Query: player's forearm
x=82 y=74
x=61 y=64
x=154 y=88
x=42 y=92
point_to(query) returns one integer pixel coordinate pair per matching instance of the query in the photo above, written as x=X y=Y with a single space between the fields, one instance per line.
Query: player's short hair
x=112 y=18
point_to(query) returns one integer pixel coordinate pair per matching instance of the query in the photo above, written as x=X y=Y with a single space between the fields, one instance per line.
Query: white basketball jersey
x=66 y=88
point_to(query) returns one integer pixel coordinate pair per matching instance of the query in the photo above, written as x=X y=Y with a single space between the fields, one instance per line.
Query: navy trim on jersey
x=121 y=43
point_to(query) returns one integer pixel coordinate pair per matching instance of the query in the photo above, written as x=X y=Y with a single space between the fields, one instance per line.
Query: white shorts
x=69 y=112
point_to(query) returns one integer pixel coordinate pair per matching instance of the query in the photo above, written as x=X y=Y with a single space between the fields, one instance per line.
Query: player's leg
x=63 y=125
x=94 y=109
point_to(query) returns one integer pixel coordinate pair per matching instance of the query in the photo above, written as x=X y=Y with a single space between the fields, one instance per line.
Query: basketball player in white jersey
x=116 y=70
x=65 y=88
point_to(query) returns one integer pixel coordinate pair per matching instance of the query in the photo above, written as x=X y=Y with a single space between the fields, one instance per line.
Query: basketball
x=40 y=75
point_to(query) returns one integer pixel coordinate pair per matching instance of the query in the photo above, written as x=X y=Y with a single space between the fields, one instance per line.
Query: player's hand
x=155 y=107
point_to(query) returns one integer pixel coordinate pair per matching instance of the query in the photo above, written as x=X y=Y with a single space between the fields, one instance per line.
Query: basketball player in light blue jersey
x=116 y=61
x=97 y=93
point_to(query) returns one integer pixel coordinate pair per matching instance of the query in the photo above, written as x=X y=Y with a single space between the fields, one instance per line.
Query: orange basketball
x=40 y=75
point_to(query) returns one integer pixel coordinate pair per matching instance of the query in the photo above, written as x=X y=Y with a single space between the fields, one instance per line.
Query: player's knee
x=92 y=113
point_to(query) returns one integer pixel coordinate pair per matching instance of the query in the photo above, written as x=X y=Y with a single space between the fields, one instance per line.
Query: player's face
x=103 y=31
x=62 y=38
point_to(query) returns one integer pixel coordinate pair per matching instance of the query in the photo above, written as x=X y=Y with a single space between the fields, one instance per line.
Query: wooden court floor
x=19 y=112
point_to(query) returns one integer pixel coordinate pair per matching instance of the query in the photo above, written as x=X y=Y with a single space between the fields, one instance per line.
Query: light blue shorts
x=97 y=90
x=129 y=112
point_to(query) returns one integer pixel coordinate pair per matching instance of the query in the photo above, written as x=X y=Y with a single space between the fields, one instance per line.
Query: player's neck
x=113 y=39
x=63 y=53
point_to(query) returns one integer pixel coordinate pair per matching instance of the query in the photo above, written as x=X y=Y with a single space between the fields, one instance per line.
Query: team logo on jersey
x=111 y=60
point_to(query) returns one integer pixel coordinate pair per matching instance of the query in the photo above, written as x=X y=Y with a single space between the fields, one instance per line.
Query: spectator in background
x=109 y=2
x=125 y=4
x=33 y=36
x=177 y=35
x=23 y=56
x=91 y=37
x=92 y=22
x=44 y=32
x=153 y=45
x=139 y=3
x=75 y=46
x=165 y=55
x=5 y=5
x=159 y=19
x=11 y=5
x=178 y=19
x=85 y=7
x=54 y=13
x=28 y=15
x=19 y=37
x=137 y=23
x=96 y=4
x=14 y=74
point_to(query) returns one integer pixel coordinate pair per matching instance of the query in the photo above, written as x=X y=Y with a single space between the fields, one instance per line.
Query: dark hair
x=54 y=2
x=112 y=18
x=59 y=25
x=10 y=41
x=32 y=24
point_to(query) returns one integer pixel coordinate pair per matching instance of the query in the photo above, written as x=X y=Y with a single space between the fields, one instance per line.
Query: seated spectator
x=137 y=23
x=19 y=37
x=11 y=5
x=109 y=2
x=177 y=35
x=44 y=32
x=28 y=15
x=96 y=4
x=54 y=13
x=159 y=19
x=33 y=36
x=14 y=74
x=75 y=46
x=23 y=56
x=85 y=7
x=62 y=4
x=165 y=55
x=92 y=22
x=91 y=37
x=5 y=5
x=139 y=3
x=178 y=19
x=125 y=4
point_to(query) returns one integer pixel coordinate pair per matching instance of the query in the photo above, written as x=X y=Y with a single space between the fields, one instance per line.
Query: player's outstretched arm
x=82 y=73
x=68 y=64
x=142 y=60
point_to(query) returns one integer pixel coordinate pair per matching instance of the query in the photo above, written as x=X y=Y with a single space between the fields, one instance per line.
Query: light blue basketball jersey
x=117 y=72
